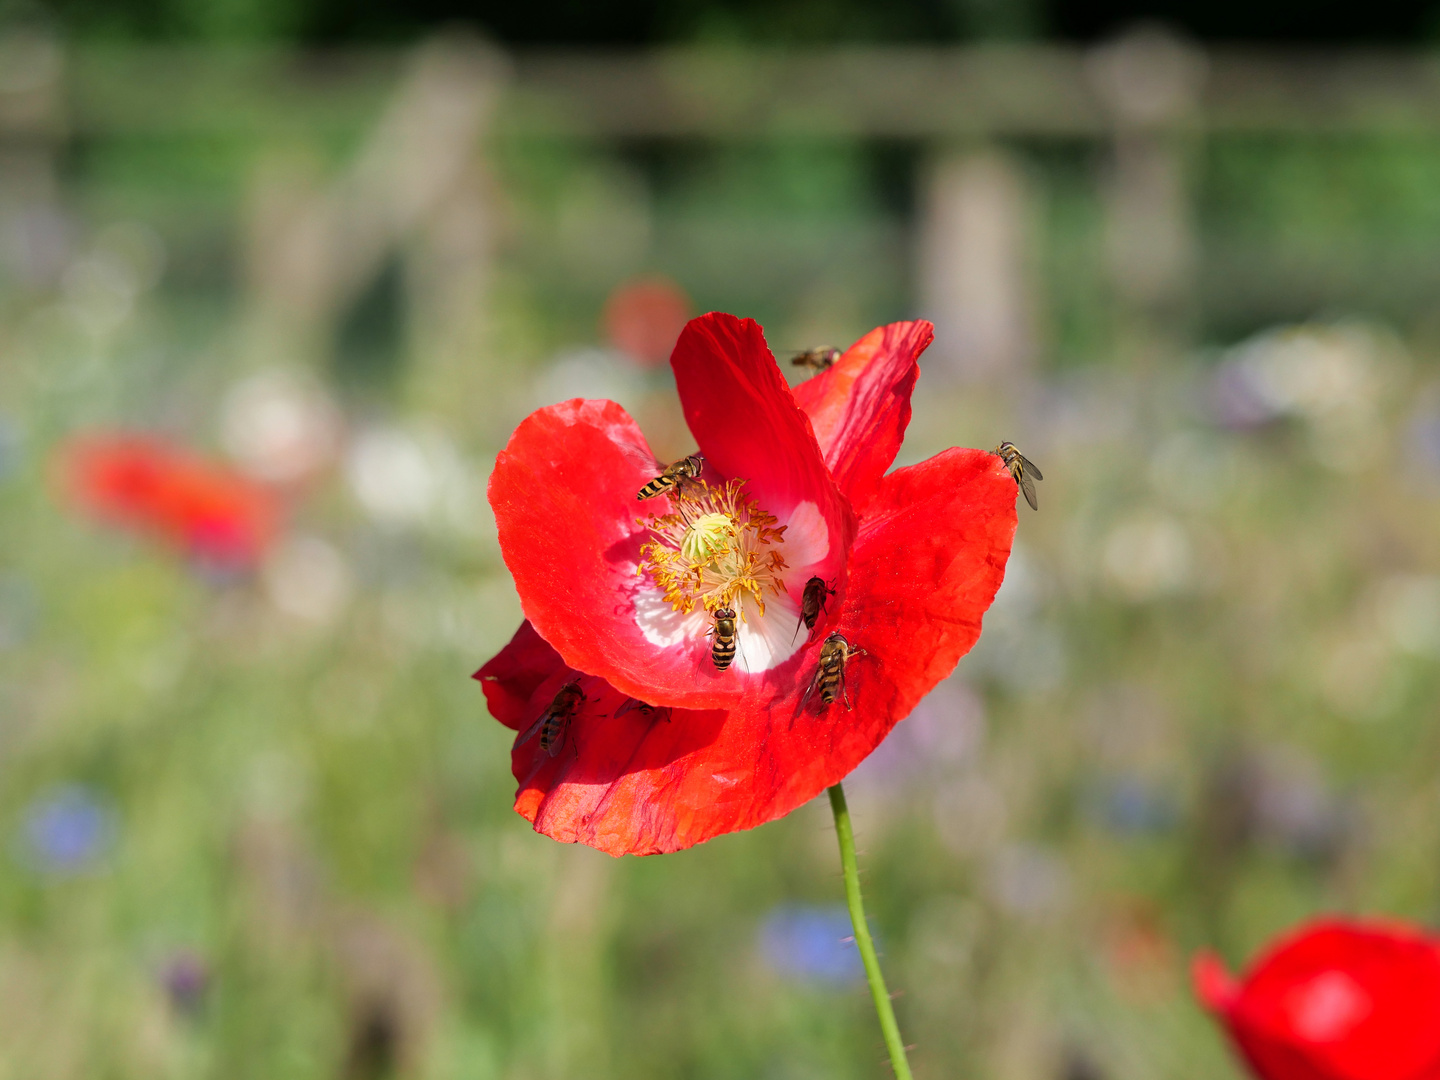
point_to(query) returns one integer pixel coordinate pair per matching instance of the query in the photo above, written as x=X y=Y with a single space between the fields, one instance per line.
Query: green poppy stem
x=863 y=941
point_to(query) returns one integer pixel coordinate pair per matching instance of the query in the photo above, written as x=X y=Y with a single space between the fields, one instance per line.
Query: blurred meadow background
x=254 y=818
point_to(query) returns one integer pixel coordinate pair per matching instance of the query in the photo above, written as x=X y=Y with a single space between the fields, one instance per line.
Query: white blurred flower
x=1407 y=607
x=99 y=294
x=1312 y=370
x=308 y=578
x=280 y=425
x=1149 y=556
x=100 y=287
x=591 y=373
x=411 y=478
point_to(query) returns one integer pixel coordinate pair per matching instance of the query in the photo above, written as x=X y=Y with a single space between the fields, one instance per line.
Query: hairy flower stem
x=883 y=1008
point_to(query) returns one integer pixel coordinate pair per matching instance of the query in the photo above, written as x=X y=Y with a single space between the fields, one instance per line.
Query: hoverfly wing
x=634 y=704
x=1030 y=467
x=1027 y=486
x=814 y=682
x=534 y=729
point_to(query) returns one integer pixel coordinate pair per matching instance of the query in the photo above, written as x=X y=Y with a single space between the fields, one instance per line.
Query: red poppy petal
x=511 y=677
x=563 y=492
x=860 y=407
x=1343 y=1000
x=928 y=561
x=146 y=483
x=922 y=573
x=1214 y=985
x=746 y=422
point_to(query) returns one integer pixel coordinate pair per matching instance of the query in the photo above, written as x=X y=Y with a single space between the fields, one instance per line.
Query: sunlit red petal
x=746 y=422
x=1338 y=1001
x=860 y=406
x=928 y=561
x=922 y=573
x=563 y=492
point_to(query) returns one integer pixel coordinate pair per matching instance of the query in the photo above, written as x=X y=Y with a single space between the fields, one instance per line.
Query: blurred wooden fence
x=419 y=177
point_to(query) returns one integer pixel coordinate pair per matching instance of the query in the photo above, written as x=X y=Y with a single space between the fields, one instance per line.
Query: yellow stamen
x=713 y=546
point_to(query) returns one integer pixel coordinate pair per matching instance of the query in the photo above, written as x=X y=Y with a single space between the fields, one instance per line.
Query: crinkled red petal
x=511 y=677
x=563 y=492
x=747 y=425
x=924 y=568
x=860 y=407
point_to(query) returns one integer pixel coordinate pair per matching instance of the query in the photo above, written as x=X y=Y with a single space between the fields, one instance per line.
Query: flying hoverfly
x=812 y=602
x=724 y=629
x=644 y=708
x=554 y=723
x=1021 y=468
x=817 y=359
x=830 y=675
x=685 y=469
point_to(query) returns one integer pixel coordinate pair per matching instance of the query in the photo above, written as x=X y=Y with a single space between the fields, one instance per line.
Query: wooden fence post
x=976 y=279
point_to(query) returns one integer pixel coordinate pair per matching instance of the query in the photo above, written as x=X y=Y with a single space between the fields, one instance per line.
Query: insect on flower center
x=714 y=548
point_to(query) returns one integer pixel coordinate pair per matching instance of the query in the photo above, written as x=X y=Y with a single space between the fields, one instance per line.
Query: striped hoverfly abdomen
x=678 y=472
x=830 y=675
x=723 y=630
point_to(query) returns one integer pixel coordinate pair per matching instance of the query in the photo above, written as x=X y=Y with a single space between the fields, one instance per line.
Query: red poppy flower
x=152 y=486
x=1334 y=1001
x=665 y=750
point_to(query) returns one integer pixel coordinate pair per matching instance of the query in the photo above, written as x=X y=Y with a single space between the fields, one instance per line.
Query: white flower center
x=717 y=549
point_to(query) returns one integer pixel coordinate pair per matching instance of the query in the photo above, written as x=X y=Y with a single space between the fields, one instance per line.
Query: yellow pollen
x=715 y=545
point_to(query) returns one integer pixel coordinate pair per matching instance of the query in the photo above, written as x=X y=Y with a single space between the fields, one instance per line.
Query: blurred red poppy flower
x=644 y=317
x=1334 y=1000
x=152 y=486
x=666 y=750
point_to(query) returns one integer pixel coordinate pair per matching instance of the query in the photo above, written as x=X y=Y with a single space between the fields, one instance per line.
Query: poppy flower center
x=715 y=549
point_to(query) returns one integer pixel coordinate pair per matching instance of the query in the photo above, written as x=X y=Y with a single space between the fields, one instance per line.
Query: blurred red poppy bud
x=643 y=319
x=1335 y=1000
x=149 y=485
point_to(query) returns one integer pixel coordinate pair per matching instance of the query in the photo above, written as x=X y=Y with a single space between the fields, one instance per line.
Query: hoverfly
x=722 y=649
x=675 y=473
x=817 y=359
x=830 y=675
x=812 y=602
x=554 y=723
x=1021 y=468
x=644 y=708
